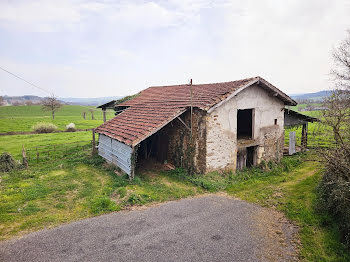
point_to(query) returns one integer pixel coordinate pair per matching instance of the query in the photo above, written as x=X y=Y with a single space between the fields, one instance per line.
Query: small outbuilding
x=206 y=127
x=294 y=119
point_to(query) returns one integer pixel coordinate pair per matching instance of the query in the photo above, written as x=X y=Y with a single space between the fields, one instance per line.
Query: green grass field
x=300 y=107
x=13 y=144
x=22 y=118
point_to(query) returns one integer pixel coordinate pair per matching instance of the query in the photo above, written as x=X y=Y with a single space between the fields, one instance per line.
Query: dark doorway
x=250 y=156
x=245 y=124
x=245 y=157
x=155 y=147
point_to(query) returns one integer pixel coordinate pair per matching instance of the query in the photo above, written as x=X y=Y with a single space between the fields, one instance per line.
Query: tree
x=334 y=188
x=341 y=55
x=337 y=115
x=51 y=104
x=2 y=101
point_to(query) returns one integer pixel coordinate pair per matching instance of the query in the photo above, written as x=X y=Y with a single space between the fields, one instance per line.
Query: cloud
x=52 y=16
x=121 y=47
x=38 y=16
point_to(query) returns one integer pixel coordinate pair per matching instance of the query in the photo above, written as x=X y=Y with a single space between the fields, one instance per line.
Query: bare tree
x=341 y=56
x=2 y=101
x=337 y=115
x=51 y=104
x=92 y=113
x=17 y=103
x=334 y=188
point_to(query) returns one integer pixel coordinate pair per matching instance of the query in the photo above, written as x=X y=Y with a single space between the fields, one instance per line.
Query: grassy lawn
x=13 y=144
x=63 y=191
x=22 y=118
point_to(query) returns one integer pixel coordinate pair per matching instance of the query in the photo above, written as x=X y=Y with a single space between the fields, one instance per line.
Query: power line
x=42 y=89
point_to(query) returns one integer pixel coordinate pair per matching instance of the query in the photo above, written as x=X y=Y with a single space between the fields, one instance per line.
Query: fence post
x=24 y=157
x=93 y=142
x=37 y=155
x=104 y=115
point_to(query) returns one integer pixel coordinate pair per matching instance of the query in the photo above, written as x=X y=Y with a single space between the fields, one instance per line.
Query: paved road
x=207 y=228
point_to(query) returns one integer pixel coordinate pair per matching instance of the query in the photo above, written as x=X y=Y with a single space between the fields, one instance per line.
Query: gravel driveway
x=206 y=228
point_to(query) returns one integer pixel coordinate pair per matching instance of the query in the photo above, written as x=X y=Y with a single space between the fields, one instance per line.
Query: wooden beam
x=183 y=123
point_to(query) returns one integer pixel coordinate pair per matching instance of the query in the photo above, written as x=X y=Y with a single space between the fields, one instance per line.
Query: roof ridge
x=226 y=82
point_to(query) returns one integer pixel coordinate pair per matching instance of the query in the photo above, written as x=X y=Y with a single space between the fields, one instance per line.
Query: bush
x=44 y=127
x=334 y=188
x=70 y=127
x=7 y=163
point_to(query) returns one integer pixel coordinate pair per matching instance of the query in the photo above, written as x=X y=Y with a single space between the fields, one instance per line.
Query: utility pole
x=191 y=105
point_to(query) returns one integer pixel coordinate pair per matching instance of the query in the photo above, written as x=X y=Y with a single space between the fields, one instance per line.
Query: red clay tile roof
x=157 y=106
x=204 y=96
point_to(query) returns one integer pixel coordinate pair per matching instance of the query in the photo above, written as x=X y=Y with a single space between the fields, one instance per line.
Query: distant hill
x=17 y=100
x=29 y=99
x=315 y=97
x=94 y=101
x=90 y=101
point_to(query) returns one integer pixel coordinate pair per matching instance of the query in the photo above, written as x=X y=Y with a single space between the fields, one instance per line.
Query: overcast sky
x=113 y=48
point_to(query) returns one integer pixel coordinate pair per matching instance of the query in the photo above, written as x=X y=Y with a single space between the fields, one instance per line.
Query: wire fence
x=55 y=152
x=49 y=153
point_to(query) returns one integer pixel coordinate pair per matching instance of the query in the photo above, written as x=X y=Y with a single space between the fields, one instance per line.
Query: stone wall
x=222 y=128
x=182 y=151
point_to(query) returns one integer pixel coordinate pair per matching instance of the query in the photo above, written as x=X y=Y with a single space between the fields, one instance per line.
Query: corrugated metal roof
x=157 y=106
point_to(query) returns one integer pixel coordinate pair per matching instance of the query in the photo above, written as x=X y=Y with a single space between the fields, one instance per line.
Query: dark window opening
x=275 y=122
x=245 y=124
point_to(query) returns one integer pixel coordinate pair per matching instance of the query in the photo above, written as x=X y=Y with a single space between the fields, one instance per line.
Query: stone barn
x=205 y=127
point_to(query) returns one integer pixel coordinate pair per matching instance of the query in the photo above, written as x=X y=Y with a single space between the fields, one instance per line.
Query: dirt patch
x=280 y=236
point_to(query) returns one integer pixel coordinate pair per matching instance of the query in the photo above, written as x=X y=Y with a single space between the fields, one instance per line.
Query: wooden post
x=24 y=157
x=191 y=106
x=104 y=114
x=304 y=137
x=93 y=142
